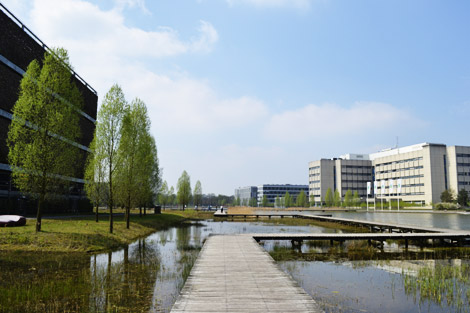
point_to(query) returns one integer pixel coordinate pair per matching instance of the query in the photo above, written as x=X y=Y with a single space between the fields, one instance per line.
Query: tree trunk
x=110 y=201
x=145 y=210
x=39 y=213
x=128 y=213
x=140 y=211
x=128 y=210
x=96 y=213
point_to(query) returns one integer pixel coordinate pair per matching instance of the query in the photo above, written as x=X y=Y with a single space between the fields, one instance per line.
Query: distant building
x=273 y=191
x=245 y=194
x=18 y=47
x=350 y=172
x=425 y=170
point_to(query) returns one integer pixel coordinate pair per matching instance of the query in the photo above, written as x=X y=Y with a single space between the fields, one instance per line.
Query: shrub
x=446 y=206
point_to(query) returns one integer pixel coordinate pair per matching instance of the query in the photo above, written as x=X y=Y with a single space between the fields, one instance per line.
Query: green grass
x=83 y=234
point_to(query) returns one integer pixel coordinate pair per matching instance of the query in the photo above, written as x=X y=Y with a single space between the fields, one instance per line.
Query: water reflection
x=148 y=274
x=455 y=221
x=355 y=277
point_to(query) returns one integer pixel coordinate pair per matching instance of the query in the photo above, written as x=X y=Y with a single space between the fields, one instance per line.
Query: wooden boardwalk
x=373 y=226
x=234 y=274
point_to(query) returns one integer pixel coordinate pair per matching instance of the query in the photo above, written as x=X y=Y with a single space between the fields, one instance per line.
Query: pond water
x=147 y=275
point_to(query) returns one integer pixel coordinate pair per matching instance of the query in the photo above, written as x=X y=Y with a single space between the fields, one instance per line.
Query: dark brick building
x=18 y=47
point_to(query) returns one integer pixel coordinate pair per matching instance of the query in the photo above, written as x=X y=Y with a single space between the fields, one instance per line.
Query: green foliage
x=312 y=200
x=356 y=199
x=108 y=136
x=95 y=176
x=337 y=199
x=446 y=206
x=329 y=198
x=253 y=202
x=287 y=200
x=301 y=199
x=44 y=125
x=448 y=195
x=348 y=199
x=171 y=196
x=136 y=158
x=184 y=189
x=265 y=201
x=197 y=193
x=163 y=195
x=462 y=197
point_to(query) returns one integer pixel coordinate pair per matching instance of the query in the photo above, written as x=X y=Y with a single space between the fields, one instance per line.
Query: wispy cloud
x=105 y=51
x=82 y=26
x=298 y=4
x=331 y=120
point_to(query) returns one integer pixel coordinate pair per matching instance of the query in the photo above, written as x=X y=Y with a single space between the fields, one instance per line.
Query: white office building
x=415 y=174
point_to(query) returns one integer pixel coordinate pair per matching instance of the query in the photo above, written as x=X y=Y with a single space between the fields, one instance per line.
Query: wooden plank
x=234 y=274
x=350 y=222
x=359 y=236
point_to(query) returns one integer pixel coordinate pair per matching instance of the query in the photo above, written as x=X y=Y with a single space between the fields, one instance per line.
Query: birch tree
x=108 y=136
x=42 y=136
x=197 y=193
x=184 y=189
x=94 y=176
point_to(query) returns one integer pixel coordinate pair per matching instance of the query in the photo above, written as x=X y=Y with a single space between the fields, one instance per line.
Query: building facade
x=273 y=191
x=18 y=47
x=349 y=172
x=423 y=172
x=245 y=194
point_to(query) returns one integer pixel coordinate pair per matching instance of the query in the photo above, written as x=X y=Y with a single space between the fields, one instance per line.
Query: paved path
x=234 y=274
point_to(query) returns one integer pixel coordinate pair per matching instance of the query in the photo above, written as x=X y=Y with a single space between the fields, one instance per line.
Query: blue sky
x=246 y=92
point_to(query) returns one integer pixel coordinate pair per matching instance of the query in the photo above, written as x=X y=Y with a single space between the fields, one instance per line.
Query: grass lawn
x=83 y=234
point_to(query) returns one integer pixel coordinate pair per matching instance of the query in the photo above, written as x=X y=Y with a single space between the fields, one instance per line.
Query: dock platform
x=234 y=274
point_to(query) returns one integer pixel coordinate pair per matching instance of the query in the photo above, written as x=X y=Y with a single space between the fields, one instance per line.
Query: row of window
x=357 y=166
x=463 y=155
x=405 y=177
x=400 y=161
x=463 y=164
x=354 y=181
x=408 y=194
x=357 y=174
x=463 y=174
x=401 y=169
x=314 y=168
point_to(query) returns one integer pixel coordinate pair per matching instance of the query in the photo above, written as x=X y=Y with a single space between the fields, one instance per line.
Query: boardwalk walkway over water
x=373 y=226
x=234 y=274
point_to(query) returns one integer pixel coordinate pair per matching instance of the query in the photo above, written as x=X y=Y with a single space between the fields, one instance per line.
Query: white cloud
x=104 y=51
x=82 y=27
x=121 y=4
x=330 y=120
x=298 y=4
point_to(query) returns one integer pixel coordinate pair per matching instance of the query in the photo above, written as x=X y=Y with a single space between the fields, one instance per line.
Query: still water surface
x=147 y=275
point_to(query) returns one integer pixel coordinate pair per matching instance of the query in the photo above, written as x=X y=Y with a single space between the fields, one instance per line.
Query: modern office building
x=245 y=194
x=421 y=172
x=18 y=47
x=349 y=172
x=273 y=191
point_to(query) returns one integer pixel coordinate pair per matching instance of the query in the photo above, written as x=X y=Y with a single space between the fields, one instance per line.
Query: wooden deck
x=234 y=274
x=445 y=238
x=373 y=226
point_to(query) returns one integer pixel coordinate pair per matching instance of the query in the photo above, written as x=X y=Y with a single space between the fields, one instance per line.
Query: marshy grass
x=83 y=234
x=441 y=283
